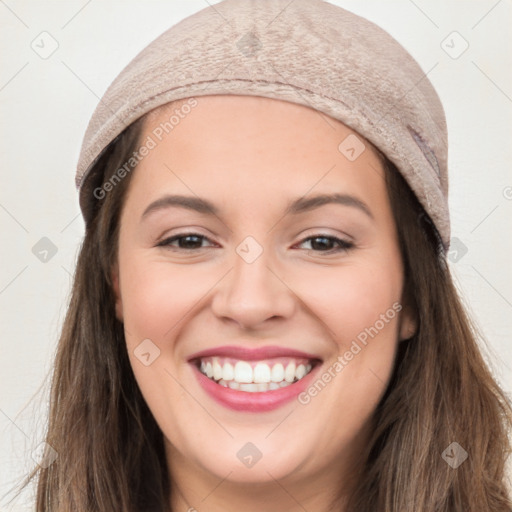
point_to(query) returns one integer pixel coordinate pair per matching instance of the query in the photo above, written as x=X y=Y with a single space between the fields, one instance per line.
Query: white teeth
x=217 y=369
x=289 y=373
x=243 y=372
x=261 y=373
x=277 y=373
x=252 y=388
x=263 y=377
x=228 y=372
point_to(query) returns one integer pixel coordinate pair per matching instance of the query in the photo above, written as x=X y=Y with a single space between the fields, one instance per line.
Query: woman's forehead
x=243 y=154
x=255 y=138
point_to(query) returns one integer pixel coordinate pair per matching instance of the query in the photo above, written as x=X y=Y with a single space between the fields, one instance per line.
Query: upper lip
x=252 y=354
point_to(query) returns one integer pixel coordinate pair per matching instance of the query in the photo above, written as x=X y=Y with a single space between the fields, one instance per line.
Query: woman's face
x=271 y=279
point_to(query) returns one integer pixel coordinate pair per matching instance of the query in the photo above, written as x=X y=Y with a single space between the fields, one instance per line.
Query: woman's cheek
x=347 y=299
x=158 y=294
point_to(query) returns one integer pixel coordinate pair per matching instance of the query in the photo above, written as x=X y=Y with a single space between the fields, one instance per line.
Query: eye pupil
x=325 y=242
x=184 y=241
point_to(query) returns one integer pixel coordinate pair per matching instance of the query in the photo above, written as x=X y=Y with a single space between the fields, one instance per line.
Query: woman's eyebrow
x=304 y=204
x=297 y=206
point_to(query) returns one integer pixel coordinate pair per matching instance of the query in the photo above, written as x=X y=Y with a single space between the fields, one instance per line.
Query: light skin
x=251 y=157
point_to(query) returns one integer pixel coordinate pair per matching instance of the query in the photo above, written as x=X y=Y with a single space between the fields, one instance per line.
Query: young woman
x=262 y=315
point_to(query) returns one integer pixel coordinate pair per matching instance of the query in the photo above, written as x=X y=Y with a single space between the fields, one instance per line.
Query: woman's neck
x=274 y=495
x=195 y=489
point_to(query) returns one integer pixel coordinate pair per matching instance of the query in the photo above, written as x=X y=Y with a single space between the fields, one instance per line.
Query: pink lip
x=253 y=402
x=252 y=354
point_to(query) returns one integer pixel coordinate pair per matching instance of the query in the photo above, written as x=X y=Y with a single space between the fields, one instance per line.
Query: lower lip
x=253 y=402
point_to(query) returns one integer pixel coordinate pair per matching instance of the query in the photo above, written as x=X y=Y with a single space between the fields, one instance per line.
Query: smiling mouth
x=255 y=376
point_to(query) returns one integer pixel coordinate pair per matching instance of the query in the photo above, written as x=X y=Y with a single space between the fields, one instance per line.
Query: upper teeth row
x=243 y=372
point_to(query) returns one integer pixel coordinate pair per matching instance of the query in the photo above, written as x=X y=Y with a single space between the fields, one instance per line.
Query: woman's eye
x=317 y=243
x=324 y=243
x=188 y=241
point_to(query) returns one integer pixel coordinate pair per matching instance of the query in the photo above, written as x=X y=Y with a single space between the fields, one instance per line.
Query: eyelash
x=344 y=246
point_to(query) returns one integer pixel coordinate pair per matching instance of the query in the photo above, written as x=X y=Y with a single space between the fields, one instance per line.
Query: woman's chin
x=246 y=462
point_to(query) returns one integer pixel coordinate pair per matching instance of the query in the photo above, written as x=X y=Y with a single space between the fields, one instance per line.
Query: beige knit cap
x=308 y=52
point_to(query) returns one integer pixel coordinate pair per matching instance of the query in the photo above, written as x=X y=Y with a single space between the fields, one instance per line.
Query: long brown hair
x=111 y=451
x=441 y=392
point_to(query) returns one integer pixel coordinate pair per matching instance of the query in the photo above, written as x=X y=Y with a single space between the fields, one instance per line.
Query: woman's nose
x=253 y=291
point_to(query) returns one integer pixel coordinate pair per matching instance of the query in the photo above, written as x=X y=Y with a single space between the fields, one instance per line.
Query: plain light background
x=46 y=104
